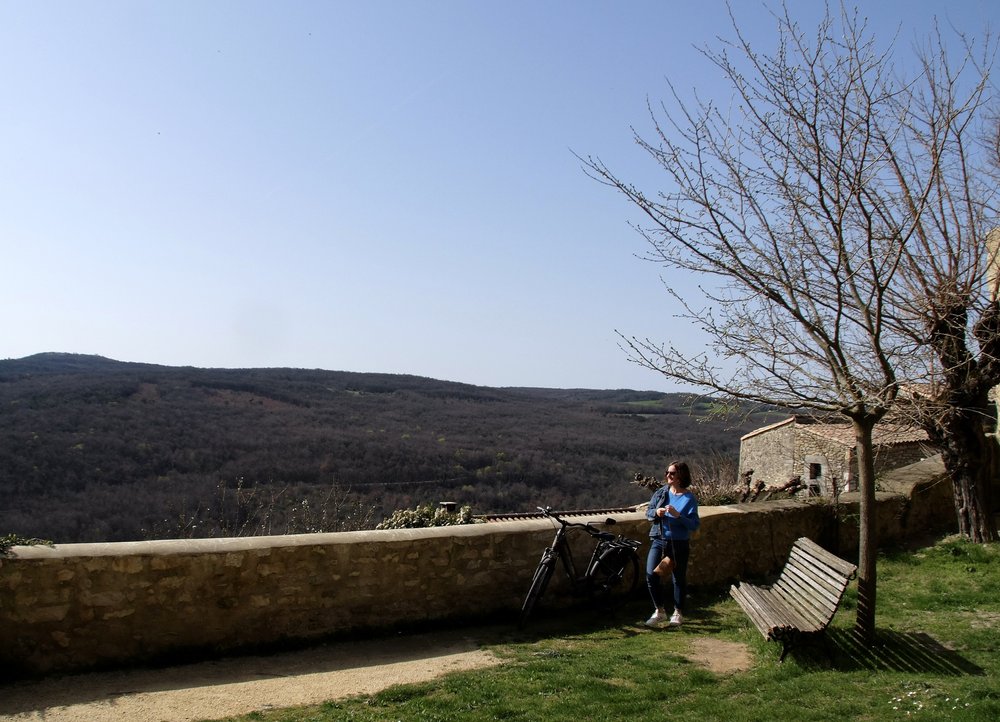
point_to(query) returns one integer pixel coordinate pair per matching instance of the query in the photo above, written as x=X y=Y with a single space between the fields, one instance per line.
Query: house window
x=815 y=471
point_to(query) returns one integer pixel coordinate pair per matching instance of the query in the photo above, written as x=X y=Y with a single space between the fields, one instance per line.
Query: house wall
x=834 y=458
x=887 y=458
x=793 y=450
x=770 y=454
x=81 y=606
x=896 y=456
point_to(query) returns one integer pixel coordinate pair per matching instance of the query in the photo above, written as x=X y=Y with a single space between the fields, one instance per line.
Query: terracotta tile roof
x=882 y=434
x=765 y=429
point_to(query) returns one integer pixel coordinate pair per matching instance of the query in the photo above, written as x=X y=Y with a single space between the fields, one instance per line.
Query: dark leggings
x=678 y=551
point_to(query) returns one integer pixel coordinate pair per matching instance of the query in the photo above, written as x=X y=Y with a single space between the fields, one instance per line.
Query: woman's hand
x=669 y=509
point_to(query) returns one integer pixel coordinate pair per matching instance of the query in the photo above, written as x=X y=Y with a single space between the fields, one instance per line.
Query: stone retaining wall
x=81 y=606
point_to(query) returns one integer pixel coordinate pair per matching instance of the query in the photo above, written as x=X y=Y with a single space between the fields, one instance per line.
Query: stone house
x=821 y=452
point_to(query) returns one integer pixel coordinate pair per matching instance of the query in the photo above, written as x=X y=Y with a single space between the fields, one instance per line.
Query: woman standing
x=673 y=511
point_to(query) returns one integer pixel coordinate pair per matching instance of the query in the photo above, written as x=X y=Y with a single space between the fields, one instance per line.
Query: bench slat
x=764 y=610
x=801 y=587
x=831 y=560
x=752 y=607
x=812 y=619
x=775 y=613
x=794 y=581
x=817 y=575
x=760 y=606
x=811 y=586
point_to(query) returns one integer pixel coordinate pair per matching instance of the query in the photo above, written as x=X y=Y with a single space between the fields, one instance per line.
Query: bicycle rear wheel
x=615 y=577
x=543 y=573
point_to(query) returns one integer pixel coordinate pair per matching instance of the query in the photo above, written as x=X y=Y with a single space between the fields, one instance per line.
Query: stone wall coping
x=223 y=545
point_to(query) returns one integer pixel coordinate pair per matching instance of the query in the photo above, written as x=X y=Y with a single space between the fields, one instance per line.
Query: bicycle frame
x=611 y=574
x=561 y=545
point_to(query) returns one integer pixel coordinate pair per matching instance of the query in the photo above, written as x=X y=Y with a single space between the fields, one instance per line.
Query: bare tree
x=778 y=201
x=946 y=295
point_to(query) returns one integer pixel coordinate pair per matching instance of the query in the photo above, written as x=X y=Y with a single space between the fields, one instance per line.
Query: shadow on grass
x=625 y=621
x=892 y=651
x=547 y=622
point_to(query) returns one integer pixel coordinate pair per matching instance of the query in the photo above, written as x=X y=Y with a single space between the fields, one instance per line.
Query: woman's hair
x=683 y=473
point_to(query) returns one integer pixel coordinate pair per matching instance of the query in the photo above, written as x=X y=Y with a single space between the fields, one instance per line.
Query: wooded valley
x=93 y=449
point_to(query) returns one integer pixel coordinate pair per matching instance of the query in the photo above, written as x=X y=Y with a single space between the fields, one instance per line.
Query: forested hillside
x=98 y=450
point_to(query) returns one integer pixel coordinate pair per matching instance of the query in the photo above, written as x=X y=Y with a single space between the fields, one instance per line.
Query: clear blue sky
x=363 y=186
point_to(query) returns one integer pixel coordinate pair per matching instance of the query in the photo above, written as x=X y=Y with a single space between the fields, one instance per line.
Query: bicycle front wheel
x=615 y=577
x=543 y=573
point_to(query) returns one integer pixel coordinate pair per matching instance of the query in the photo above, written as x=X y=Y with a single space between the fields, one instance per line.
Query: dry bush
x=714 y=479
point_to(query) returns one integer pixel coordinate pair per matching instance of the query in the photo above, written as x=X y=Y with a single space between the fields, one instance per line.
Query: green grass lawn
x=937 y=657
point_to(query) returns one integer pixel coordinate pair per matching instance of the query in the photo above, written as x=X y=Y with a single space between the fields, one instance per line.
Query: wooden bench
x=804 y=598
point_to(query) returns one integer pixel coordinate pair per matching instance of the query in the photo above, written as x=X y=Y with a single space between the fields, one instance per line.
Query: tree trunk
x=864 y=628
x=967 y=453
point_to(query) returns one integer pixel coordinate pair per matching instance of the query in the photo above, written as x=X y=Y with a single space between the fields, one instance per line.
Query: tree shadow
x=892 y=651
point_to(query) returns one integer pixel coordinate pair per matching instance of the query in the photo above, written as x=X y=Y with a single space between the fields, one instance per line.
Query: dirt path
x=226 y=687
x=220 y=688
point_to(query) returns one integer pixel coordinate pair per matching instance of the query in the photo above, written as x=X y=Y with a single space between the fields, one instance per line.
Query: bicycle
x=611 y=576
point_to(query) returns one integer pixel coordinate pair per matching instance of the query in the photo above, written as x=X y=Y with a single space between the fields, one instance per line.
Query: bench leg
x=788 y=638
x=826 y=644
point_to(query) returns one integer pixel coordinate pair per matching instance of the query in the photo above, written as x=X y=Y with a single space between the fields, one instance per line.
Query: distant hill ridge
x=69 y=363
x=93 y=449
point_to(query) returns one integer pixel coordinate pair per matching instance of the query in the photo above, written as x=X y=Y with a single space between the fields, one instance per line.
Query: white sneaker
x=658 y=619
x=676 y=619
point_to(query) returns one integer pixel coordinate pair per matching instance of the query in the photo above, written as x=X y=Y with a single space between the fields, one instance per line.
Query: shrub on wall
x=428 y=515
x=16 y=540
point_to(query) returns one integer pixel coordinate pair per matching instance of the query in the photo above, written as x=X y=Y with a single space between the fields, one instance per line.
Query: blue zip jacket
x=674 y=527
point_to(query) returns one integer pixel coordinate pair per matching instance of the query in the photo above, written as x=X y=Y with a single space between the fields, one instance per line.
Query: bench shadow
x=892 y=651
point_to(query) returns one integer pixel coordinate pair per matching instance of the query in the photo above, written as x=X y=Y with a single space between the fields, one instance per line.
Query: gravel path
x=220 y=688
x=239 y=685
